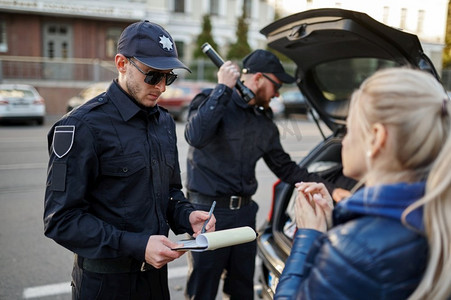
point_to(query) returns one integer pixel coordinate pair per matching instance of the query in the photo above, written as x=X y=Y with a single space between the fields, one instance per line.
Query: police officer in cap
x=227 y=136
x=114 y=187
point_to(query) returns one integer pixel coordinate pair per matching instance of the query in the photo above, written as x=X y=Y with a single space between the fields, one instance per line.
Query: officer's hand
x=158 y=251
x=228 y=74
x=197 y=219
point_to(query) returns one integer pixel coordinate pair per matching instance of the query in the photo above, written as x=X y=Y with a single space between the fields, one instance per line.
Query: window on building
x=214 y=7
x=52 y=29
x=180 y=49
x=64 y=50
x=112 y=36
x=50 y=49
x=3 y=37
x=420 y=23
x=179 y=6
x=402 y=24
x=385 y=14
x=248 y=7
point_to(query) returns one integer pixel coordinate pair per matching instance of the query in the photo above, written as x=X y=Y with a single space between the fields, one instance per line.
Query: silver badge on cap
x=166 y=42
x=63 y=139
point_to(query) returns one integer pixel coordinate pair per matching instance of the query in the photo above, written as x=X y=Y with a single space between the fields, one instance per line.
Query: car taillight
x=38 y=101
x=271 y=209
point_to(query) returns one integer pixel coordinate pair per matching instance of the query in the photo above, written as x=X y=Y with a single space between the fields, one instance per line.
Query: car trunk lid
x=335 y=50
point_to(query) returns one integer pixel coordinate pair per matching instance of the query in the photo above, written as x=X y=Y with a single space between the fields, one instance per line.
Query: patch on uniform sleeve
x=58 y=182
x=63 y=139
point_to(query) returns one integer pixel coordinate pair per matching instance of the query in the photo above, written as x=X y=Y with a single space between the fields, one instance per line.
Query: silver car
x=21 y=102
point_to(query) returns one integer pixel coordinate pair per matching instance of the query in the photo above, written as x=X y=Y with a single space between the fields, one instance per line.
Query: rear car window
x=16 y=93
x=338 y=79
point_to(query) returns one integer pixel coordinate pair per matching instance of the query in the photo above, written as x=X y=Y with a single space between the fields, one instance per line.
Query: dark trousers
x=236 y=262
x=152 y=284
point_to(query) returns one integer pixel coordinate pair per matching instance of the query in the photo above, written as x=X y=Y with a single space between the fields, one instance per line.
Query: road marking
x=65 y=288
x=47 y=290
x=24 y=166
x=24 y=139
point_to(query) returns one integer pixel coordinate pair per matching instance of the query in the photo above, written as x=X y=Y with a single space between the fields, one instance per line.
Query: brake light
x=271 y=210
x=38 y=101
x=3 y=101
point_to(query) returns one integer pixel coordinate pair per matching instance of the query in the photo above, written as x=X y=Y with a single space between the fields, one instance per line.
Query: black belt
x=230 y=202
x=112 y=265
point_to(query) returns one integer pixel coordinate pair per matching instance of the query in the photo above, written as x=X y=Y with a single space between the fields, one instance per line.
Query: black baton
x=246 y=93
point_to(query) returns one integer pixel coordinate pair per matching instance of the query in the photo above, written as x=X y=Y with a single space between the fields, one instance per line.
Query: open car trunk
x=335 y=50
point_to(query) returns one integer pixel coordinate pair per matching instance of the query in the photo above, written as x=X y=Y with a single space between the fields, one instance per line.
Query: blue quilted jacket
x=368 y=254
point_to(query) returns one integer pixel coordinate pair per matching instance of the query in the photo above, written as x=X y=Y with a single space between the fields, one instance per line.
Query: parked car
x=21 y=102
x=294 y=102
x=277 y=107
x=334 y=50
x=178 y=96
x=87 y=94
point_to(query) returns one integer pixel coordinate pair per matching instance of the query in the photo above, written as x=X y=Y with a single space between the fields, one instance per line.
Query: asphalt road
x=34 y=267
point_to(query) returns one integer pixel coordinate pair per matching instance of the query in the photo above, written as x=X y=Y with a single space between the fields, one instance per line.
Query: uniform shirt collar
x=243 y=104
x=126 y=105
x=239 y=100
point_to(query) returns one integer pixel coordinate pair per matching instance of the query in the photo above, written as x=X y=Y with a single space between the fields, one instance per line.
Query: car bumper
x=28 y=112
x=272 y=264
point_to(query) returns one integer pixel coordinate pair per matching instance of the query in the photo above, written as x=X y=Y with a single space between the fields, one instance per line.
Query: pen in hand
x=209 y=217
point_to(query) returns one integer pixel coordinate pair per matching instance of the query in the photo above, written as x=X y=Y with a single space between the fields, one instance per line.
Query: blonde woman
x=390 y=239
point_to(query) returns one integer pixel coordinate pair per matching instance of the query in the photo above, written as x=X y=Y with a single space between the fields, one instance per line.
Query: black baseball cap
x=151 y=44
x=266 y=62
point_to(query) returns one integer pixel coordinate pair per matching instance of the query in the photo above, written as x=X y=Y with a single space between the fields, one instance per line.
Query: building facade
x=61 y=46
x=90 y=29
x=66 y=44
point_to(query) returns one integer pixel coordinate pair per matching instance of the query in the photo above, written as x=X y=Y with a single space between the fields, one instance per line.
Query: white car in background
x=21 y=102
x=87 y=94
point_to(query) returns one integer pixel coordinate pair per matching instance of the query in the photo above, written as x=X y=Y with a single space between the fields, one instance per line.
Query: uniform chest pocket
x=170 y=159
x=122 y=166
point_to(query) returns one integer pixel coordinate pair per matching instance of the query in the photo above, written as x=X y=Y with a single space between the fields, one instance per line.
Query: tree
x=241 y=47
x=446 y=63
x=204 y=37
x=281 y=56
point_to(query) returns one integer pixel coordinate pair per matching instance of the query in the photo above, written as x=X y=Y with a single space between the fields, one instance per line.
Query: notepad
x=218 y=239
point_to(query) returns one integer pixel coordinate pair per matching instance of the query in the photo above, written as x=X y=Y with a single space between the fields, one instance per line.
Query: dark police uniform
x=227 y=137
x=113 y=181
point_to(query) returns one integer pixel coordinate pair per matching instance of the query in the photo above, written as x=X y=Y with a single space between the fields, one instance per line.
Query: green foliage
x=281 y=56
x=446 y=55
x=241 y=47
x=204 y=37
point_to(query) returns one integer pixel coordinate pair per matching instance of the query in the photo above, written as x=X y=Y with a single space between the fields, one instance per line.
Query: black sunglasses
x=277 y=86
x=154 y=77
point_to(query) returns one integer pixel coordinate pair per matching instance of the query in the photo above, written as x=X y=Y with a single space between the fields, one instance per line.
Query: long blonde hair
x=416 y=106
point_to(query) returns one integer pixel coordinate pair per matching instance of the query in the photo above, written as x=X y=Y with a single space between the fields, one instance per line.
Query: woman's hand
x=314 y=206
x=339 y=194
